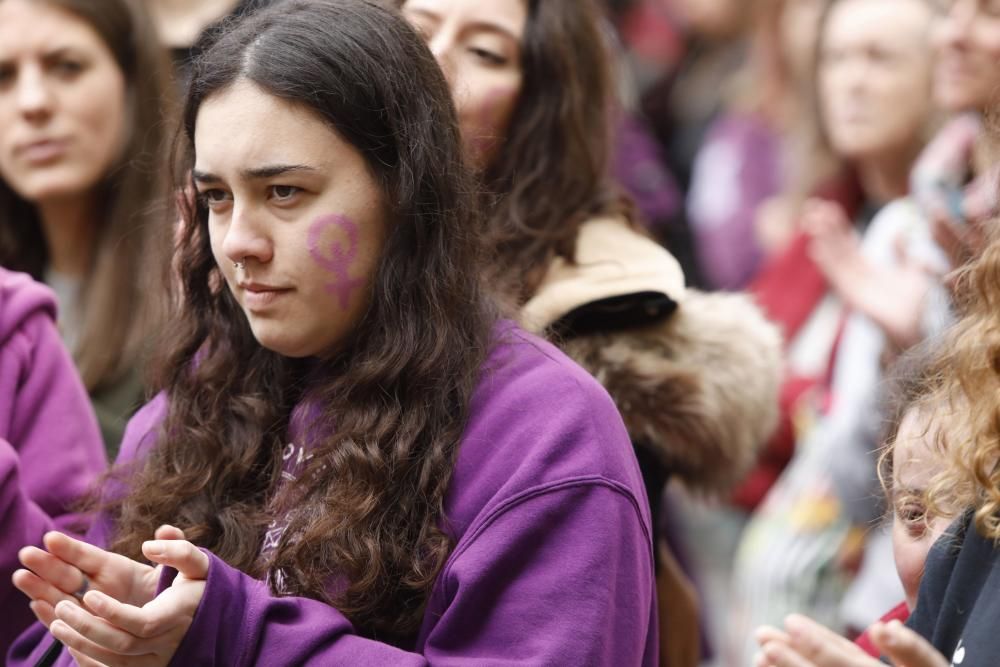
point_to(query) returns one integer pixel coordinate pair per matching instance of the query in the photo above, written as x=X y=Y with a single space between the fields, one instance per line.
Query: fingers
x=767 y=633
x=37 y=588
x=78 y=644
x=43 y=611
x=905 y=647
x=86 y=557
x=778 y=654
x=821 y=217
x=761 y=660
x=181 y=555
x=821 y=645
x=57 y=572
x=146 y=622
x=110 y=638
x=84 y=661
x=169 y=533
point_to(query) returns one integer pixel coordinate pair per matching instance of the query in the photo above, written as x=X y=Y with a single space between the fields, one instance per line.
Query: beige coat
x=699 y=388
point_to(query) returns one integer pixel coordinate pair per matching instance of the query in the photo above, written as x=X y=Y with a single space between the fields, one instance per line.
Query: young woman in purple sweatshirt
x=369 y=466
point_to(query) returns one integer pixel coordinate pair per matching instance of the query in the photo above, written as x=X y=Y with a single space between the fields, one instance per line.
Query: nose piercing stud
x=239 y=266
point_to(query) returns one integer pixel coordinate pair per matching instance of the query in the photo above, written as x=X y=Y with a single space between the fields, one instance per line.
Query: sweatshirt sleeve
x=50 y=452
x=31 y=521
x=561 y=575
x=22 y=523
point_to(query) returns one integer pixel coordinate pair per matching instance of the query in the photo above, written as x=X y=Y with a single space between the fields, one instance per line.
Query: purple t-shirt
x=553 y=559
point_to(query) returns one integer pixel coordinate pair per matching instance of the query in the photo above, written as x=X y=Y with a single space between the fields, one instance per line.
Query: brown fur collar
x=700 y=390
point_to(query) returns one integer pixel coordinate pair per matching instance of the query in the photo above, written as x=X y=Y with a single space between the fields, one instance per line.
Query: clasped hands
x=119 y=619
x=805 y=643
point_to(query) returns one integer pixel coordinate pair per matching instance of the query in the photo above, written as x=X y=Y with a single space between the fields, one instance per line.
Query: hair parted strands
x=118 y=312
x=395 y=398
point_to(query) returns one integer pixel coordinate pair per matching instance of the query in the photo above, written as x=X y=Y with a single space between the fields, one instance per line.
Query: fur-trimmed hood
x=699 y=388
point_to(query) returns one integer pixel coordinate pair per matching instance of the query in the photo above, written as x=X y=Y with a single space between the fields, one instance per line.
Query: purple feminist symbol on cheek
x=333 y=244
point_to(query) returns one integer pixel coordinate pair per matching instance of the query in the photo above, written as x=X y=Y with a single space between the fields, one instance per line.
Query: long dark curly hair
x=394 y=401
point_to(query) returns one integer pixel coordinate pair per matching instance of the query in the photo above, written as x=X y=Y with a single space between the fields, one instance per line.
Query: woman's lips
x=40 y=153
x=257 y=297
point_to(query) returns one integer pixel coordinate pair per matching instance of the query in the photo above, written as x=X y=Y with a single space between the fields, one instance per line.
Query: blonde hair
x=966 y=379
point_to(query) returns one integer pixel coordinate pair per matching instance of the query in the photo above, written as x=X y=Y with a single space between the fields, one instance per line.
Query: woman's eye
x=914 y=518
x=284 y=192
x=68 y=68
x=6 y=73
x=213 y=198
x=487 y=56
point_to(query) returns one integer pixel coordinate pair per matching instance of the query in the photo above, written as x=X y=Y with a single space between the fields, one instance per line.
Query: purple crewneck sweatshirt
x=553 y=558
x=50 y=446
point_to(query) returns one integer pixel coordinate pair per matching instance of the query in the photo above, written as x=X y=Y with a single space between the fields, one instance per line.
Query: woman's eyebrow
x=255 y=173
x=272 y=170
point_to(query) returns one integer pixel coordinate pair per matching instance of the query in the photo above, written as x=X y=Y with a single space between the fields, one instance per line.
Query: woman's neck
x=886 y=177
x=180 y=22
x=69 y=227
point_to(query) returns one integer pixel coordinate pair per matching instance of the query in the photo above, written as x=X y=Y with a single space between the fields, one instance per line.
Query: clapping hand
x=70 y=567
x=106 y=631
x=805 y=643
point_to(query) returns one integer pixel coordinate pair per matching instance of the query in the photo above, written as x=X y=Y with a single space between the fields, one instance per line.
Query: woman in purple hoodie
x=50 y=447
x=368 y=465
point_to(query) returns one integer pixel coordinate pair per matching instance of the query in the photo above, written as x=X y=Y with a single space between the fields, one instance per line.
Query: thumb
x=168 y=532
x=181 y=555
x=905 y=647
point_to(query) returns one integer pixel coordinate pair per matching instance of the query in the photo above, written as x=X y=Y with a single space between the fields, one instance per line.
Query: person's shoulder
x=538 y=419
x=22 y=300
x=523 y=368
x=142 y=429
x=537 y=423
x=612 y=260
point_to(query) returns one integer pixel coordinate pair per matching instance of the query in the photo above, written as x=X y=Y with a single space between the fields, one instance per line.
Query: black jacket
x=958 y=606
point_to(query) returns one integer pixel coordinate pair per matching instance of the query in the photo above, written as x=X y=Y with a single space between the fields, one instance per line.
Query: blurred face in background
x=62 y=102
x=966 y=38
x=874 y=76
x=478 y=45
x=712 y=19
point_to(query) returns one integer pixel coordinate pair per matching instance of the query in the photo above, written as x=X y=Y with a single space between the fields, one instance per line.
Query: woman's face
x=875 y=76
x=62 y=103
x=913 y=532
x=478 y=45
x=966 y=38
x=296 y=207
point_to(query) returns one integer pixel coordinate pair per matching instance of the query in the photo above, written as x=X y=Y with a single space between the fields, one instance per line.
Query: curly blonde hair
x=966 y=379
